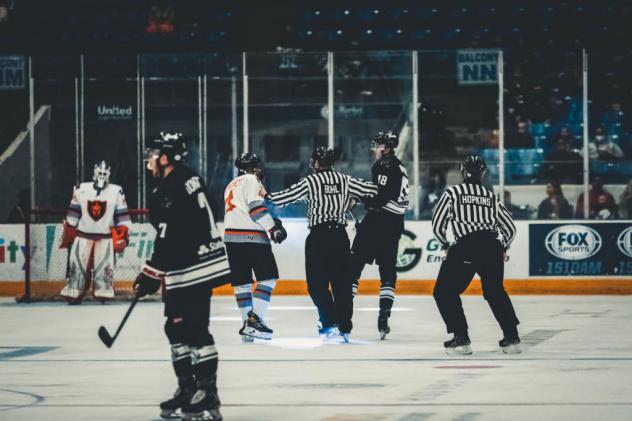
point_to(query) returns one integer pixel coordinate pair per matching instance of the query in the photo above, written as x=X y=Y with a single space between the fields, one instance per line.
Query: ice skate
x=382 y=324
x=204 y=406
x=510 y=345
x=254 y=327
x=245 y=338
x=330 y=333
x=458 y=345
x=345 y=337
x=169 y=408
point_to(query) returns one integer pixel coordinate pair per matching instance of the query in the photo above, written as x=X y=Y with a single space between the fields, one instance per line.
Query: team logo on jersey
x=96 y=209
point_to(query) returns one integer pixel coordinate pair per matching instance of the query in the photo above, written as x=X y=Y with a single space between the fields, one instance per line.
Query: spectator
x=563 y=164
x=625 y=202
x=516 y=211
x=601 y=204
x=555 y=206
x=20 y=212
x=613 y=120
x=161 y=18
x=602 y=147
x=436 y=186
x=521 y=138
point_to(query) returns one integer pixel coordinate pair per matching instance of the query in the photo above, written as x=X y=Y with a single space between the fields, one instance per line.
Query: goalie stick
x=105 y=336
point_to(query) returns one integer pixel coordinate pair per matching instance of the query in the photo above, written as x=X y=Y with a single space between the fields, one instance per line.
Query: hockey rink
x=576 y=363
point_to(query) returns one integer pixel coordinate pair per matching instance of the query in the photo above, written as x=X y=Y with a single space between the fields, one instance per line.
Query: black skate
x=184 y=393
x=382 y=324
x=458 y=345
x=256 y=328
x=245 y=338
x=204 y=406
x=510 y=345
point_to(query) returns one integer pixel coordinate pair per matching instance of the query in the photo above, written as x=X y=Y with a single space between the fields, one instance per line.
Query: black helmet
x=324 y=156
x=473 y=166
x=388 y=139
x=171 y=144
x=249 y=161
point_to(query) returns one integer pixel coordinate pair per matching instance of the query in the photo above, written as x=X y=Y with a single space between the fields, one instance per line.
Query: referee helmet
x=324 y=156
x=473 y=167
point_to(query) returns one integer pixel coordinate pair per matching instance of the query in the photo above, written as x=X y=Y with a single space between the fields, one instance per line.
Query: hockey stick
x=105 y=336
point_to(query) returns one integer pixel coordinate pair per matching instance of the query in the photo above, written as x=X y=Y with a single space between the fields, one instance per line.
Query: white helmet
x=101 y=176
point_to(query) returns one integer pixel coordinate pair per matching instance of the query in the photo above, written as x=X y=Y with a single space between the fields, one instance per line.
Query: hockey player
x=189 y=259
x=97 y=226
x=378 y=234
x=248 y=224
x=483 y=230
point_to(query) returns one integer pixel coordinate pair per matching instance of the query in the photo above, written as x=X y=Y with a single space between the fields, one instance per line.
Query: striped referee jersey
x=469 y=208
x=328 y=194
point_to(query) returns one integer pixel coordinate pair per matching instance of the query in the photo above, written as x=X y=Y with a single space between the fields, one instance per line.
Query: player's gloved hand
x=120 y=238
x=277 y=233
x=148 y=281
x=70 y=233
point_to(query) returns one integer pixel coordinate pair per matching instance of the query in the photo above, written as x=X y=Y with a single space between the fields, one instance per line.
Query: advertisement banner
x=580 y=249
x=477 y=67
x=12 y=72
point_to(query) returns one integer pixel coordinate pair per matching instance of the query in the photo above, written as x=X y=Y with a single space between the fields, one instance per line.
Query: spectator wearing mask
x=625 y=202
x=602 y=147
x=555 y=206
x=601 y=204
x=563 y=163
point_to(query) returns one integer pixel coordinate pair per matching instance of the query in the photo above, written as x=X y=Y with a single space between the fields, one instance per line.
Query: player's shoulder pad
x=85 y=185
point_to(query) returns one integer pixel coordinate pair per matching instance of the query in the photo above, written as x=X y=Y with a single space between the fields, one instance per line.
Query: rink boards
x=575 y=257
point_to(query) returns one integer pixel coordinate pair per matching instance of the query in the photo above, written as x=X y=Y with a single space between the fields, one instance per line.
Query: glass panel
x=110 y=121
x=543 y=133
x=14 y=109
x=56 y=80
x=458 y=115
x=224 y=113
x=287 y=96
x=610 y=135
x=372 y=93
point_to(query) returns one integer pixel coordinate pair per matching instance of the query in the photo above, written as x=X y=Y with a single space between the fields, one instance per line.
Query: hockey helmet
x=101 y=176
x=473 y=167
x=248 y=161
x=170 y=144
x=388 y=139
x=324 y=156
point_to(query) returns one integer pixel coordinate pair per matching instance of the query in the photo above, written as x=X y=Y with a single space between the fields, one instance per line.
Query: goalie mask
x=249 y=162
x=101 y=175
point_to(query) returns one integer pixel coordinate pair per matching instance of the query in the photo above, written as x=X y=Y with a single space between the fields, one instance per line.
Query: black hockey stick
x=105 y=336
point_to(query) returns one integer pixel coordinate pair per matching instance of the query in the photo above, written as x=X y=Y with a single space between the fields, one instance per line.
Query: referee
x=327 y=257
x=477 y=218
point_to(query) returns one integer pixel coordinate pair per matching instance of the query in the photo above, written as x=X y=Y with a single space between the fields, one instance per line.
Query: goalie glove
x=148 y=281
x=70 y=233
x=120 y=238
x=277 y=233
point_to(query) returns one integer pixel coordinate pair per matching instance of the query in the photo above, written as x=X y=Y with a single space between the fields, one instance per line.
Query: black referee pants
x=328 y=275
x=481 y=253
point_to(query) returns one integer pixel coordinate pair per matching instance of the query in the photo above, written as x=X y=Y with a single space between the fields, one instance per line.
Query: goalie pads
x=70 y=233
x=120 y=238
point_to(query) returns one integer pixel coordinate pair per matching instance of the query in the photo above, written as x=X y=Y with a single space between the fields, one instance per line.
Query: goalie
x=96 y=227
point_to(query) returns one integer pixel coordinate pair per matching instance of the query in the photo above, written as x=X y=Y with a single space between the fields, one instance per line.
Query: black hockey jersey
x=188 y=245
x=391 y=178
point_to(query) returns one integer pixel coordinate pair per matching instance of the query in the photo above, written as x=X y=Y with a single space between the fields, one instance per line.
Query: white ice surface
x=576 y=363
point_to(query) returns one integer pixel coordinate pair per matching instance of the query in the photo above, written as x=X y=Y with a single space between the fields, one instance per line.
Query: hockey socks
x=243 y=295
x=261 y=298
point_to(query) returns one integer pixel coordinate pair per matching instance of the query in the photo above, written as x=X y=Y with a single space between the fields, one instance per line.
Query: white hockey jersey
x=246 y=219
x=94 y=212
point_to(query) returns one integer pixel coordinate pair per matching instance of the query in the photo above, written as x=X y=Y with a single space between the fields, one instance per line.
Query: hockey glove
x=120 y=238
x=148 y=281
x=277 y=233
x=70 y=233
